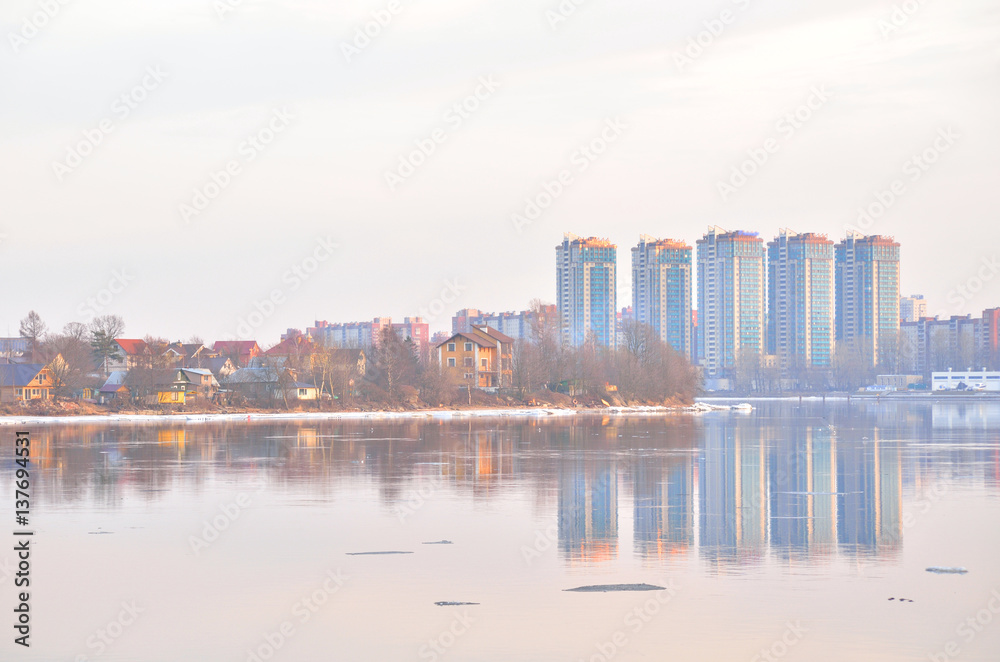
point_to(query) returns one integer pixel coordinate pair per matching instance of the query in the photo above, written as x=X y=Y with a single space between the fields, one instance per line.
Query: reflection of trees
x=738 y=487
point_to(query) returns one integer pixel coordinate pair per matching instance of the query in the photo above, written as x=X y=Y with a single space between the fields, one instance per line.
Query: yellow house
x=25 y=382
x=170 y=397
x=481 y=357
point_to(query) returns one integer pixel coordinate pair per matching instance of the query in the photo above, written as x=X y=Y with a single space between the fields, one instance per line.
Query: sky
x=227 y=168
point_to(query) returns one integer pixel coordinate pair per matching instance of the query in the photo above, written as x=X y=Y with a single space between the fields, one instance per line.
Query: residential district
x=800 y=314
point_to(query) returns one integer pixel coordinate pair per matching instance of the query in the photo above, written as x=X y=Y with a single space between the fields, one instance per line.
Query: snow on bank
x=429 y=414
x=446 y=415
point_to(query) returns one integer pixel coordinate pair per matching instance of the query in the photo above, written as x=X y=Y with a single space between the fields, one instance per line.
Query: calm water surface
x=783 y=532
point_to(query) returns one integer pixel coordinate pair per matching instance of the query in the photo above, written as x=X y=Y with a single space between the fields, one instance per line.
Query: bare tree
x=69 y=359
x=395 y=361
x=75 y=330
x=33 y=328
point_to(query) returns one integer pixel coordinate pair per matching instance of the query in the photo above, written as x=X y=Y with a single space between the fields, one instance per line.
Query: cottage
x=481 y=357
x=189 y=355
x=25 y=382
x=114 y=388
x=270 y=384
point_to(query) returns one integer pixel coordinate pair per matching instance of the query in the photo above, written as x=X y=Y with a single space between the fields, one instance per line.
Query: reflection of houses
x=731 y=492
x=588 y=510
x=869 y=481
x=664 y=506
x=24 y=382
x=798 y=492
x=481 y=357
x=802 y=482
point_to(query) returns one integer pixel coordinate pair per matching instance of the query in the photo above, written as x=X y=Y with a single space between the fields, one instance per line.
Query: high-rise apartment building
x=800 y=301
x=586 y=282
x=867 y=275
x=912 y=308
x=661 y=289
x=731 y=303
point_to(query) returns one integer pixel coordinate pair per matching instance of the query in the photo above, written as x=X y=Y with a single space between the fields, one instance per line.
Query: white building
x=973 y=380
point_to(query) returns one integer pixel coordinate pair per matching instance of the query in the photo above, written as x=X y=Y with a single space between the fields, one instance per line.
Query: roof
x=133 y=346
x=493 y=333
x=480 y=339
x=115 y=382
x=19 y=374
x=289 y=346
x=241 y=346
x=154 y=378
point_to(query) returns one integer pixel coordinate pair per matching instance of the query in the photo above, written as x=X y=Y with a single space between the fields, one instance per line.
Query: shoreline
x=990 y=396
x=431 y=414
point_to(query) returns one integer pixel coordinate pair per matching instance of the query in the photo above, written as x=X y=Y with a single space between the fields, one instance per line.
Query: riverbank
x=931 y=397
x=431 y=414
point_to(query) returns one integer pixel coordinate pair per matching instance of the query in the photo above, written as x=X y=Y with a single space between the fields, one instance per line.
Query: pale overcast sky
x=879 y=96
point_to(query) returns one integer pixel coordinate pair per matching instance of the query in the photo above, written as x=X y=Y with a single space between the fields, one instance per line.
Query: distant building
x=418 y=331
x=966 y=380
x=586 y=285
x=662 y=278
x=361 y=335
x=694 y=356
x=990 y=342
x=518 y=325
x=867 y=276
x=624 y=315
x=912 y=308
x=800 y=301
x=15 y=350
x=731 y=302
x=366 y=335
x=932 y=344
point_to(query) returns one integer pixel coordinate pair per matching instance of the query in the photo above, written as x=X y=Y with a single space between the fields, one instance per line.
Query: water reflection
x=729 y=489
